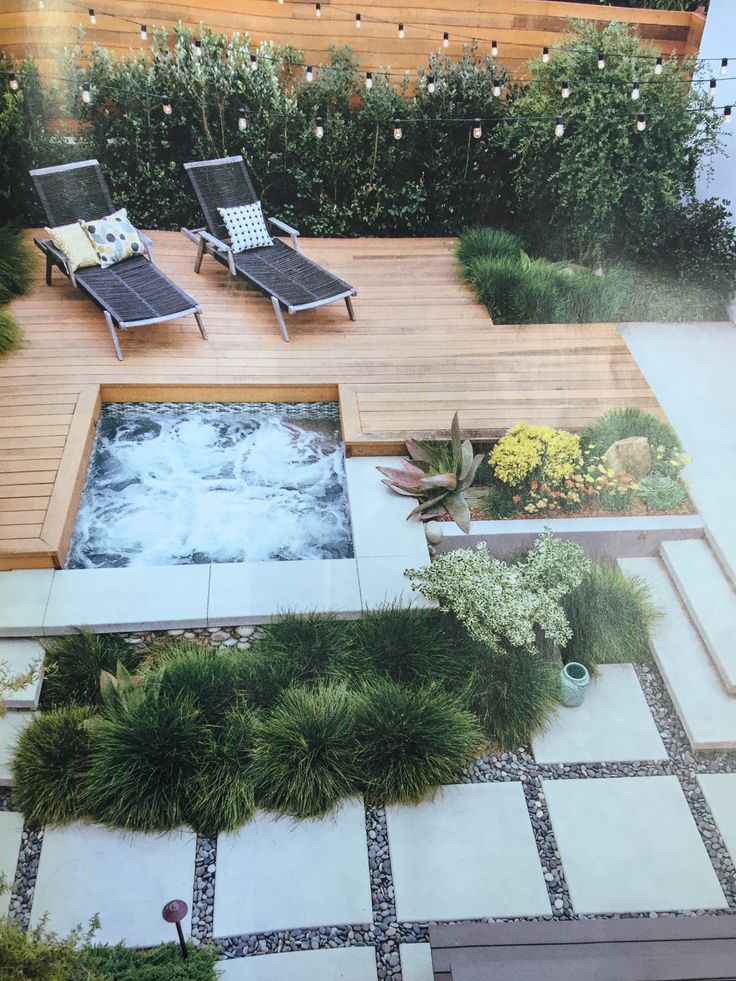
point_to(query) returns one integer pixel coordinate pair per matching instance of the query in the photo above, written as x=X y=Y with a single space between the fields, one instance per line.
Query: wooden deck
x=420 y=349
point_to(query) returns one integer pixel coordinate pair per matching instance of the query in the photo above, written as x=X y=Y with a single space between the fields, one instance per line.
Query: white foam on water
x=173 y=483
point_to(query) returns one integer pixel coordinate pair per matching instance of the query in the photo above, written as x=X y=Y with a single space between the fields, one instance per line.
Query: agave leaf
x=420 y=451
x=402 y=490
x=455 y=440
x=457 y=508
x=447 y=480
x=466 y=458
x=409 y=476
x=432 y=502
x=468 y=482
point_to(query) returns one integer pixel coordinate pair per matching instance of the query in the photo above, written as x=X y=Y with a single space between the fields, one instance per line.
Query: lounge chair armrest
x=147 y=245
x=219 y=246
x=291 y=232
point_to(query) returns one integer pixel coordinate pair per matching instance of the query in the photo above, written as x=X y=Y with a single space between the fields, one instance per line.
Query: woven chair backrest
x=73 y=191
x=223 y=183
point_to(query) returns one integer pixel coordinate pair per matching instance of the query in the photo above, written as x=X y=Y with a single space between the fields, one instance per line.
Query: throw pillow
x=76 y=246
x=246 y=227
x=113 y=237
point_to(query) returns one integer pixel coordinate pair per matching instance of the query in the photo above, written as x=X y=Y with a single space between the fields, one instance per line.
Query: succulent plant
x=437 y=474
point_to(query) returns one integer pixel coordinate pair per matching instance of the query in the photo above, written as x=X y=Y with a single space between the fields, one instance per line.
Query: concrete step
x=710 y=600
x=707 y=711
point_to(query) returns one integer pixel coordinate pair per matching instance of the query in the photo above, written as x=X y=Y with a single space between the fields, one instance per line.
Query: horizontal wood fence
x=521 y=27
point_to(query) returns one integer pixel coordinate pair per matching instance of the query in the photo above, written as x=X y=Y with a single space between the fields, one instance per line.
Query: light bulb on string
x=445 y=40
x=309 y=74
x=635 y=91
x=369 y=80
x=494 y=49
x=712 y=86
x=727 y=115
x=497 y=87
x=357 y=21
x=319 y=130
x=658 y=66
x=560 y=127
x=253 y=62
x=565 y=90
x=641 y=122
x=397 y=129
x=197 y=47
x=13 y=81
x=86 y=94
x=430 y=84
x=724 y=66
x=92 y=17
x=166 y=105
x=601 y=60
x=477 y=130
x=545 y=55
x=242 y=120
x=144 y=32
x=318 y=10
x=401 y=31
x=41 y=5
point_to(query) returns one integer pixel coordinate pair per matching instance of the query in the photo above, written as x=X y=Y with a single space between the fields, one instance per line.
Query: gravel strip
x=203 y=890
x=21 y=898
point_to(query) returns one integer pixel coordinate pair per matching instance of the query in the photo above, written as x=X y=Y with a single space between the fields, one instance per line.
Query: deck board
x=420 y=349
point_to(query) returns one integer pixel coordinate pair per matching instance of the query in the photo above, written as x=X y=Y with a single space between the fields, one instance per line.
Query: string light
x=601 y=60
x=369 y=80
x=166 y=105
x=92 y=18
x=635 y=91
x=727 y=115
x=724 y=66
x=310 y=74
x=497 y=87
x=319 y=130
x=560 y=127
x=242 y=120
x=86 y=94
x=545 y=55
x=13 y=81
x=494 y=49
x=357 y=21
x=641 y=122
x=401 y=31
x=477 y=130
x=430 y=84
x=144 y=32
x=397 y=129
x=658 y=67
x=712 y=85
x=41 y=5
x=445 y=40
x=565 y=90
x=253 y=62
x=197 y=47
x=318 y=10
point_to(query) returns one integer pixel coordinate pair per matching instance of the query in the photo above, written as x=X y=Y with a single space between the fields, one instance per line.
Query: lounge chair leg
x=49 y=268
x=198 y=318
x=349 y=305
x=280 y=318
x=200 y=256
x=113 y=334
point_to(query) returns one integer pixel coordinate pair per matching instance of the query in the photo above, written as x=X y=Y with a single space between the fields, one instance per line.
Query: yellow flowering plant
x=528 y=453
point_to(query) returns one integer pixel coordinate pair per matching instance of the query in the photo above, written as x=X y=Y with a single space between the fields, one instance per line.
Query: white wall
x=719 y=41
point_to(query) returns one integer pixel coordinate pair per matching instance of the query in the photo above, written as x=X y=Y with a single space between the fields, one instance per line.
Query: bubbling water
x=173 y=483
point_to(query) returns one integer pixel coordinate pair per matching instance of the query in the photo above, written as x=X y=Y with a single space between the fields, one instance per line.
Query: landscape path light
x=174 y=912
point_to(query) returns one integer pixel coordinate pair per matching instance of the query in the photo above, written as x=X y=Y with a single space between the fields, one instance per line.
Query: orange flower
x=535 y=485
x=516 y=498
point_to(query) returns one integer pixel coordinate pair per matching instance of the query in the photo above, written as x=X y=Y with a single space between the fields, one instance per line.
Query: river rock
x=434 y=531
x=630 y=456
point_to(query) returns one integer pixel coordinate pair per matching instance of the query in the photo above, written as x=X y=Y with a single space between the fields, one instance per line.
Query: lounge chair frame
x=94 y=200
x=211 y=241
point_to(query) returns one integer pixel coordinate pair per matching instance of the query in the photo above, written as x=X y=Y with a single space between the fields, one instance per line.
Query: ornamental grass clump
x=315 y=642
x=624 y=423
x=304 y=763
x=50 y=765
x=484 y=242
x=73 y=663
x=411 y=740
x=506 y=603
x=211 y=680
x=610 y=615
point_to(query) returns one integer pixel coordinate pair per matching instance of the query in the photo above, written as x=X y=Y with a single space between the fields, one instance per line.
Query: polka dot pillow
x=246 y=227
x=113 y=238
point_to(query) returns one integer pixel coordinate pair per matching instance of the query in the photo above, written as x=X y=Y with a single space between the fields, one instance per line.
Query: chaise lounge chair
x=130 y=293
x=292 y=281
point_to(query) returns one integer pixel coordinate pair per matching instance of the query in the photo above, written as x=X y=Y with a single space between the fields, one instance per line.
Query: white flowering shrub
x=498 y=601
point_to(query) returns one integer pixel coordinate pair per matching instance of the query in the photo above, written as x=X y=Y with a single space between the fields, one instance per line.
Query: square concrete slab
x=720 y=793
x=11 y=726
x=613 y=723
x=467 y=853
x=382 y=581
x=416 y=962
x=379 y=520
x=11 y=829
x=630 y=845
x=128 y=599
x=24 y=594
x=337 y=964
x=21 y=656
x=253 y=592
x=275 y=874
x=123 y=878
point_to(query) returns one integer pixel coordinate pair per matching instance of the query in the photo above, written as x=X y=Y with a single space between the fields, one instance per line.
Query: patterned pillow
x=76 y=246
x=246 y=227
x=113 y=238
